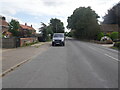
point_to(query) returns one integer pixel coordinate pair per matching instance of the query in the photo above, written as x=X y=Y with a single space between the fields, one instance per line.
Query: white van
x=58 y=39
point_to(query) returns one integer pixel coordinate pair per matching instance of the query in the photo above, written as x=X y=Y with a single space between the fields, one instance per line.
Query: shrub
x=114 y=35
x=70 y=34
x=100 y=35
x=108 y=34
x=117 y=44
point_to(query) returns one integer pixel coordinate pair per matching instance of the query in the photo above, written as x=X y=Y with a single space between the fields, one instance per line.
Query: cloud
x=60 y=9
x=53 y=2
x=52 y=7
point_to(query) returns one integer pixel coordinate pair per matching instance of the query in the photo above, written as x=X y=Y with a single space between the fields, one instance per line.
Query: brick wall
x=16 y=42
x=24 y=41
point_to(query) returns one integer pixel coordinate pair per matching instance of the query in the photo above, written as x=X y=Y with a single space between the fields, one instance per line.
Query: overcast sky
x=36 y=11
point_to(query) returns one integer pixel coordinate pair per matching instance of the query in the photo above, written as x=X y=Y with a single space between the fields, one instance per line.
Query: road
x=77 y=65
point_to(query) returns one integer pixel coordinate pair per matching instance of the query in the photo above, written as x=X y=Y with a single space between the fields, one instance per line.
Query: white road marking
x=95 y=49
x=106 y=54
x=112 y=57
x=92 y=48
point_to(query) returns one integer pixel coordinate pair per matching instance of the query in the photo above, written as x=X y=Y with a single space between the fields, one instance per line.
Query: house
x=27 y=31
x=109 y=28
x=4 y=26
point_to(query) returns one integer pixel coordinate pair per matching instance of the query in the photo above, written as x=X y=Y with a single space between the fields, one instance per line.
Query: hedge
x=117 y=44
x=114 y=35
x=100 y=35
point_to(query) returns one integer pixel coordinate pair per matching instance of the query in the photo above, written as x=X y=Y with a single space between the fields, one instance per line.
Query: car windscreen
x=58 y=35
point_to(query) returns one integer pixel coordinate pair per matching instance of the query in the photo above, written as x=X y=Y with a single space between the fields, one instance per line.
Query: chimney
x=3 y=18
x=31 y=25
x=25 y=24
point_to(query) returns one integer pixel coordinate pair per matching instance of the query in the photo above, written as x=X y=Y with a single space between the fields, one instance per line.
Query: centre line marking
x=112 y=57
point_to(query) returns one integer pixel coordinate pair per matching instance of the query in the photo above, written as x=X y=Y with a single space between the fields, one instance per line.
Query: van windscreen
x=58 y=35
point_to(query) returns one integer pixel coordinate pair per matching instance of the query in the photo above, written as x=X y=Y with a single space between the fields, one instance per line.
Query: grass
x=37 y=46
x=28 y=44
x=116 y=48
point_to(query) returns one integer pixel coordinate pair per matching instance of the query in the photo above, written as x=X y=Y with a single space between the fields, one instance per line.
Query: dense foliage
x=113 y=15
x=14 y=27
x=84 y=22
x=108 y=34
x=117 y=44
x=57 y=26
x=100 y=35
x=114 y=35
x=45 y=30
x=70 y=34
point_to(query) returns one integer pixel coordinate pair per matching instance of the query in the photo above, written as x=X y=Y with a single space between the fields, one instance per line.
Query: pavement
x=13 y=57
x=77 y=65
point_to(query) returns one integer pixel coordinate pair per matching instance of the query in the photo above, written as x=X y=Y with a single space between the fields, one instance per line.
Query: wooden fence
x=17 y=42
x=10 y=42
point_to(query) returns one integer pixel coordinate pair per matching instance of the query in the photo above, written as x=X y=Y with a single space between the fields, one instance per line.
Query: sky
x=33 y=12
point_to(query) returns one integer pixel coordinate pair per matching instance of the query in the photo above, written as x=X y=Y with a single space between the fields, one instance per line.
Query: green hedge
x=100 y=35
x=117 y=44
x=114 y=35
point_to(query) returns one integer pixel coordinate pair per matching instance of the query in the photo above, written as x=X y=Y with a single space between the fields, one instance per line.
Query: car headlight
x=62 y=40
x=53 y=40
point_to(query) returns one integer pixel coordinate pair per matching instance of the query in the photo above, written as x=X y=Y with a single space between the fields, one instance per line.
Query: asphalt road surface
x=77 y=65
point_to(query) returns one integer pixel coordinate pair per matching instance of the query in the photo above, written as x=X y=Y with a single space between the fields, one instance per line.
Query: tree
x=49 y=30
x=84 y=23
x=46 y=31
x=14 y=27
x=113 y=15
x=57 y=26
x=43 y=29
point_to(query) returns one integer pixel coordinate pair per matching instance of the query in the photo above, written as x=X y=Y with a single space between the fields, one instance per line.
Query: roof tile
x=27 y=27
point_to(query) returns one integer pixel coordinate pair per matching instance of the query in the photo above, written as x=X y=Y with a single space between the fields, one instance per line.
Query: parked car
x=58 y=39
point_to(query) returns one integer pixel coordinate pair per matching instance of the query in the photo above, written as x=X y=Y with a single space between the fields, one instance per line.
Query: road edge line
x=115 y=59
x=17 y=65
x=14 y=67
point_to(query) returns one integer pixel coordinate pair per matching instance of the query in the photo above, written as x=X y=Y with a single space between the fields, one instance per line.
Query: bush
x=108 y=34
x=70 y=34
x=117 y=44
x=100 y=35
x=114 y=35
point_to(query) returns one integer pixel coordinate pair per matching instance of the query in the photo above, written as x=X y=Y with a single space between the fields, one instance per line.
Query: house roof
x=26 y=27
x=3 y=23
x=110 y=27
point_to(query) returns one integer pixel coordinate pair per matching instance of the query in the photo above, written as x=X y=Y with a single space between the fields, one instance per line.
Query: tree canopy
x=84 y=23
x=57 y=26
x=45 y=30
x=113 y=15
x=14 y=27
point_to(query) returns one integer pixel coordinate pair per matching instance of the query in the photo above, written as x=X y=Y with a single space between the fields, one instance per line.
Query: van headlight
x=62 y=40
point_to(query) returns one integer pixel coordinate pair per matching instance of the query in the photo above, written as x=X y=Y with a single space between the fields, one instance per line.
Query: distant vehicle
x=58 y=39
